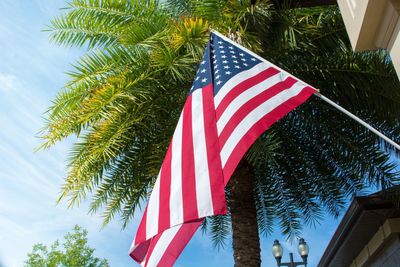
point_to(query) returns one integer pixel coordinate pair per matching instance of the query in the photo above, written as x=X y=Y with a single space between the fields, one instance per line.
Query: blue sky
x=31 y=71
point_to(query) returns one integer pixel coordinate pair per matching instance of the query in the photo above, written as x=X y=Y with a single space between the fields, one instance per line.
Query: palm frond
x=97 y=23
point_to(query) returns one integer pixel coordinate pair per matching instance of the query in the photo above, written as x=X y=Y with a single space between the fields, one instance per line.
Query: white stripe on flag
x=255 y=115
x=203 y=189
x=235 y=80
x=241 y=99
x=162 y=245
x=153 y=210
x=175 y=202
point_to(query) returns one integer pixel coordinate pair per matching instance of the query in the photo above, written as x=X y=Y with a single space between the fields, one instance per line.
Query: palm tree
x=126 y=93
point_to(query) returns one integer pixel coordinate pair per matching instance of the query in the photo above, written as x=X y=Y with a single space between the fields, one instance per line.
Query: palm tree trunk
x=246 y=242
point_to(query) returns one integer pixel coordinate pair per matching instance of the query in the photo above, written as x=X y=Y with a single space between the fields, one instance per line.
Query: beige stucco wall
x=373 y=24
x=395 y=51
x=383 y=247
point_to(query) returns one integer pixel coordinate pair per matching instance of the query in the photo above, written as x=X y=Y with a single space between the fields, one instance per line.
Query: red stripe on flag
x=178 y=243
x=141 y=232
x=153 y=243
x=189 y=198
x=252 y=104
x=213 y=154
x=139 y=253
x=243 y=86
x=259 y=127
x=165 y=191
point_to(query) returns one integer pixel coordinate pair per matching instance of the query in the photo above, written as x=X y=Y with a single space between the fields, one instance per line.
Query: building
x=367 y=236
x=373 y=24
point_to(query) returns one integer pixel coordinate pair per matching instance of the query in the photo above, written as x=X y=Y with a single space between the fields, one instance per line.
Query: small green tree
x=76 y=252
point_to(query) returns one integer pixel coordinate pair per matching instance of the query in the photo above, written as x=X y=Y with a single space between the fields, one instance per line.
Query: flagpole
x=317 y=93
x=360 y=121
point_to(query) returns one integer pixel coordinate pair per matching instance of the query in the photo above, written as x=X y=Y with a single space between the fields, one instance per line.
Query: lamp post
x=303 y=249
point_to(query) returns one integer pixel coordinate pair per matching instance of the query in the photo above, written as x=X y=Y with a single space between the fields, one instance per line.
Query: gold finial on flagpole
x=234 y=36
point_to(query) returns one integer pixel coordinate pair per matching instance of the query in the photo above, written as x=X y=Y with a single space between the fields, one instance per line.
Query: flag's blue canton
x=222 y=61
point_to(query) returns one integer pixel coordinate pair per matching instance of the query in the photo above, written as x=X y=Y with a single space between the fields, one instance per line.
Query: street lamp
x=303 y=249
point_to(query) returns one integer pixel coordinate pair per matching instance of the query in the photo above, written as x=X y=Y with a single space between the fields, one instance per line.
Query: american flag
x=235 y=97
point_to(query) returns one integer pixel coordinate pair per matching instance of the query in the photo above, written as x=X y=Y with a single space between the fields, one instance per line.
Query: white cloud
x=8 y=82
